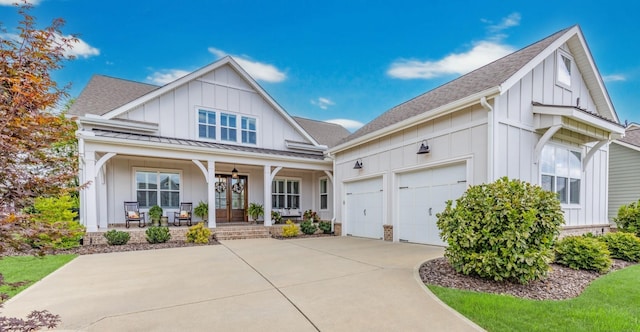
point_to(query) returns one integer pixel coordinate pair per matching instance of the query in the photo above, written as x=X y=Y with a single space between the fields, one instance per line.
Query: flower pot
x=155 y=222
x=164 y=221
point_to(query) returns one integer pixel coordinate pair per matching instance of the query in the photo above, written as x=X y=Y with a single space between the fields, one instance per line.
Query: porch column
x=267 y=195
x=90 y=204
x=211 y=192
x=101 y=186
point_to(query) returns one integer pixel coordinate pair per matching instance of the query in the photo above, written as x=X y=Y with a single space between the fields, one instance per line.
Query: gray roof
x=481 y=79
x=632 y=135
x=194 y=143
x=103 y=94
x=325 y=133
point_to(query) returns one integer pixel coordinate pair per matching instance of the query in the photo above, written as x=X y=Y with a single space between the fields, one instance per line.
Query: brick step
x=242 y=232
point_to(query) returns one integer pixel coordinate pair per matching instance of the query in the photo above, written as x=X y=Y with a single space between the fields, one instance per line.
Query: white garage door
x=424 y=193
x=364 y=208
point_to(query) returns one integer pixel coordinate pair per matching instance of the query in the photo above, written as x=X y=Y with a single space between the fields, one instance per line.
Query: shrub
x=56 y=213
x=583 y=253
x=311 y=215
x=502 y=230
x=158 y=234
x=308 y=227
x=198 y=233
x=325 y=226
x=624 y=246
x=276 y=217
x=628 y=218
x=117 y=238
x=290 y=230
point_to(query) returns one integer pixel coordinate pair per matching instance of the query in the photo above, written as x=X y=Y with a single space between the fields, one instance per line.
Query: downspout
x=489 y=108
x=333 y=184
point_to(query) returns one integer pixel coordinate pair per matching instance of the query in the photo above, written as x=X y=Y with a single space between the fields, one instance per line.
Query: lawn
x=610 y=303
x=29 y=268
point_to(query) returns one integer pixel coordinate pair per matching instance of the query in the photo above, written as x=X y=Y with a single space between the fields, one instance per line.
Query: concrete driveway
x=317 y=284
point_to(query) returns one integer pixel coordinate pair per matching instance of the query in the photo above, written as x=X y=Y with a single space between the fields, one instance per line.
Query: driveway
x=316 y=284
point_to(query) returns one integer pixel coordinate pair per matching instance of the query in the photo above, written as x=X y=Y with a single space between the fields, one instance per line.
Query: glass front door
x=231 y=198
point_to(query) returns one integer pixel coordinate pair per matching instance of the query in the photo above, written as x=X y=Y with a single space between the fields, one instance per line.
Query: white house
x=541 y=114
x=181 y=142
x=624 y=170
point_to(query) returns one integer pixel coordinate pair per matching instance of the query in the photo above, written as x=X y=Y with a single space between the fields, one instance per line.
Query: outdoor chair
x=183 y=214
x=132 y=213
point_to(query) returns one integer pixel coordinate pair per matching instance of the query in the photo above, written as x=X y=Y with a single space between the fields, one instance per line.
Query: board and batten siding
x=516 y=138
x=176 y=111
x=624 y=177
x=456 y=136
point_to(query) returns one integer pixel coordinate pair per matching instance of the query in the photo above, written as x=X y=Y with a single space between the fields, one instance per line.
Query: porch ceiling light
x=358 y=164
x=424 y=148
x=234 y=172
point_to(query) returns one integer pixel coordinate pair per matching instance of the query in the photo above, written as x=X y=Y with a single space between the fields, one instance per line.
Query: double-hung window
x=285 y=194
x=228 y=130
x=158 y=188
x=248 y=130
x=207 y=124
x=324 y=194
x=561 y=172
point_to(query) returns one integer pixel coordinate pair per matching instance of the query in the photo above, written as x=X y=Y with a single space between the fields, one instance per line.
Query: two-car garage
x=417 y=197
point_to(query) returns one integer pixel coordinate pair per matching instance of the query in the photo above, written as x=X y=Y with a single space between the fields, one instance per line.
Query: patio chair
x=132 y=213
x=183 y=214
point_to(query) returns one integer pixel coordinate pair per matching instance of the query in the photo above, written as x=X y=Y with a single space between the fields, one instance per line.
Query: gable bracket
x=592 y=152
x=543 y=140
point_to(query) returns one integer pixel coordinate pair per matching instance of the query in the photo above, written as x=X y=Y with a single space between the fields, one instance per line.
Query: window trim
x=134 y=193
x=286 y=194
x=324 y=178
x=559 y=54
x=567 y=205
x=218 y=126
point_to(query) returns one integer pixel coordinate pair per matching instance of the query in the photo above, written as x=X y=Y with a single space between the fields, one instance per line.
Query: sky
x=340 y=61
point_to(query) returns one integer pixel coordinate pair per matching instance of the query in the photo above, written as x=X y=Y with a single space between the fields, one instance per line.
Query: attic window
x=563 y=69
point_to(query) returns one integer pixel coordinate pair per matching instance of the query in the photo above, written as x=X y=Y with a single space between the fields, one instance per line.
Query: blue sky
x=335 y=60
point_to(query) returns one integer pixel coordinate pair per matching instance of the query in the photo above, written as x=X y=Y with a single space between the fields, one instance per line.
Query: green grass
x=610 y=303
x=29 y=268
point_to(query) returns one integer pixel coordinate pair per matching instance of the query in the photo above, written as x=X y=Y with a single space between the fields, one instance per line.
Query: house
x=541 y=114
x=624 y=183
x=213 y=135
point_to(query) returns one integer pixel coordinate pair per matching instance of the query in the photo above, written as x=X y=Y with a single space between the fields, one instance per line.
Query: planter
x=155 y=222
x=164 y=221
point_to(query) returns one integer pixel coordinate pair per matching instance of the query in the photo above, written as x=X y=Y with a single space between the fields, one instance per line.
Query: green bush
x=623 y=246
x=290 y=229
x=276 y=217
x=57 y=213
x=583 y=253
x=503 y=231
x=117 y=238
x=158 y=234
x=311 y=215
x=628 y=218
x=325 y=226
x=198 y=233
x=308 y=227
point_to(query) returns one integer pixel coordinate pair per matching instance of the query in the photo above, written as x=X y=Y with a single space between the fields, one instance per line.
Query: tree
x=35 y=141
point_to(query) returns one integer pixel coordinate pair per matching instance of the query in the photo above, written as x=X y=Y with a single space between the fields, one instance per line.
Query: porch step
x=241 y=232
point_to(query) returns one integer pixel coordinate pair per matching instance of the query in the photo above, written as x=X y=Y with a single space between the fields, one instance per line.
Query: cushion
x=133 y=214
x=294 y=212
x=184 y=214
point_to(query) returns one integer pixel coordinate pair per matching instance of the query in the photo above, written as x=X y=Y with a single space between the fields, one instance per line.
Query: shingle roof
x=194 y=143
x=481 y=79
x=325 y=133
x=104 y=93
x=632 y=135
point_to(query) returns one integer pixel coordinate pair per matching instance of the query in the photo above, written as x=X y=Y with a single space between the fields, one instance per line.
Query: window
x=206 y=124
x=158 y=188
x=248 y=130
x=561 y=171
x=324 y=195
x=563 y=69
x=228 y=131
x=285 y=194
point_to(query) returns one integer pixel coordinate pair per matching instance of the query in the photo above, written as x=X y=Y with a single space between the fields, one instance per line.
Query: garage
x=423 y=194
x=364 y=208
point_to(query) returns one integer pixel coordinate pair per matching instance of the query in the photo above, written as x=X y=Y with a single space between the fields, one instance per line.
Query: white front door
x=364 y=208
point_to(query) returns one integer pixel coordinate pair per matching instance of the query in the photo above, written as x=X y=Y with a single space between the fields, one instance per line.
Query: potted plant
x=255 y=211
x=202 y=210
x=155 y=212
x=276 y=217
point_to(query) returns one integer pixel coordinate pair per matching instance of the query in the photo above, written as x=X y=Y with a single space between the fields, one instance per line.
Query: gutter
x=119 y=124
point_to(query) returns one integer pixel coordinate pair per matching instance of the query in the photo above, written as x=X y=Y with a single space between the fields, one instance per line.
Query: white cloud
x=13 y=2
x=165 y=76
x=481 y=54
x=322 y=102
x=614 y=78
x=351 y=125
x=78 y=48
x=511 y=20
x=258 y=70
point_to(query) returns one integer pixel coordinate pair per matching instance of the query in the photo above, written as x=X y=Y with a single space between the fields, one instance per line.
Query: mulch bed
x=104 y=248
x=561 y=282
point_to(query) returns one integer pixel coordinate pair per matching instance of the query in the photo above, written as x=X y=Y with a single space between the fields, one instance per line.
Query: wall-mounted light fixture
x=234 y=172
x=358 y=164
x=424 y=148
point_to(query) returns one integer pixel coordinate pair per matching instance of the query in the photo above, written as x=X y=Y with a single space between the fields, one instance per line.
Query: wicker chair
x=132 y=213
x=185 y=212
